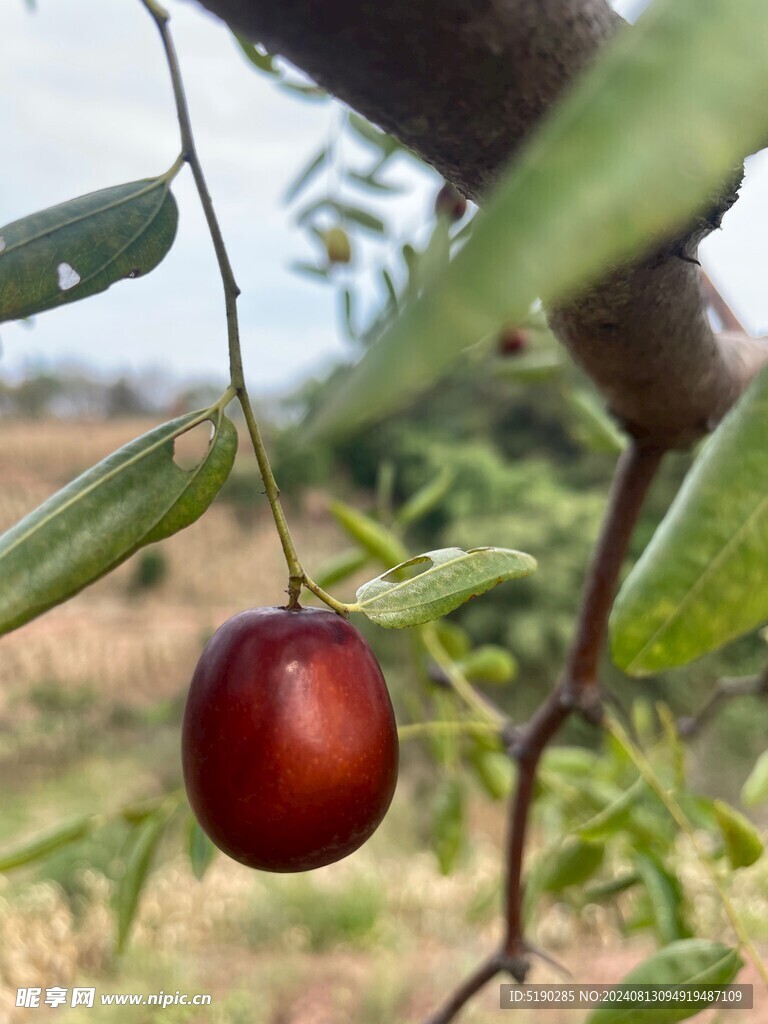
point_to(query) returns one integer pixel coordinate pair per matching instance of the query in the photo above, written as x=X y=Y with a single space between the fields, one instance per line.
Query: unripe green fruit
x=337 y=245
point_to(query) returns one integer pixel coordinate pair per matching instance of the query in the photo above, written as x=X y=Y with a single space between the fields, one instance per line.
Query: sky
x=87 y=104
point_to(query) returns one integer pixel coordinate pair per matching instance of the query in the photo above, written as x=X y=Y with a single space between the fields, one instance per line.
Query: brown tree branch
x=724 y=691
x=578 y=691
x=464 y=83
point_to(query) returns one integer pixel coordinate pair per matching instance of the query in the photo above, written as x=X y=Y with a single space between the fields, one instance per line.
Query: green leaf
x=608 y=890
x=743 y=845
x=570 y=761
x=638 y=146
x=491 y=664
x=377 y=540
x=257 y=55
x=366 y=131
x=592 y=426
x=701 y=581
x=494 y=771
x=755 y=789
x=455 y=641
x=41 y=845
x=666 y=898
x=446 y=579
x=200 y=849
x=138 y=863
x=306 y=175
x=136 y=496
x=570 y=863
x=79 y=248
x=449 y=824
x=615 y=816
x=427 y=498
x=687 y=962
x=340 y=567
x=372 y=182
x=308 y=269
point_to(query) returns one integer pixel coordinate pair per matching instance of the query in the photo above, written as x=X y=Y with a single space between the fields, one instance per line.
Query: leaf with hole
x=136 y=496
x=638 y=147
x=445 y=580
x=701 y=581
x=81 y=247
x=687 y=962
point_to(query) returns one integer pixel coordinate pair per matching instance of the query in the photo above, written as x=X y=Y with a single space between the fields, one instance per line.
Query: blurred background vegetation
x=92 y=695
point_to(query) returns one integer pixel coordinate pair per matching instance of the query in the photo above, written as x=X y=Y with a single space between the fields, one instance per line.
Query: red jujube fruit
x=289 y=742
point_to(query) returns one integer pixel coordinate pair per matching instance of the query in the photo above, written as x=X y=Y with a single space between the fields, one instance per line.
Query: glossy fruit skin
x=289 y=741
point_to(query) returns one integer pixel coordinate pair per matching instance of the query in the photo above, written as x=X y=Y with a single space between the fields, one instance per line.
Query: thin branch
x=479 y=978
x=578 y=690
x=724 y=691
x=296 y=575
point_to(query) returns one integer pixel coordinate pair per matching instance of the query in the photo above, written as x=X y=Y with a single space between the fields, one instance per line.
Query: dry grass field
x=90 y=698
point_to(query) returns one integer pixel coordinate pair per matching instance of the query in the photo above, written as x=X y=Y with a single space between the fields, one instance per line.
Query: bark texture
x=462 y=83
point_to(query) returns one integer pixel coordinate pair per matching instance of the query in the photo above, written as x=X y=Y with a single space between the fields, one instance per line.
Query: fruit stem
x=297 y=578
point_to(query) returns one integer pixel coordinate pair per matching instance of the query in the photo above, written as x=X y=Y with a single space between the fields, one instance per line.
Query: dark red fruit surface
x=289 y=742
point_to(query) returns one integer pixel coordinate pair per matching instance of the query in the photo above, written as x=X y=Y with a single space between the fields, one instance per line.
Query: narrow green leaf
x=427 y=498
x=446 y=579
x=570 y=863
x=377 y=540
x=455 y=640
x=308 y=269
x=303 y=179
x=366 y=131
x=341 y=567
x=640 y=145
x=666 y=898
x=449 y=824
x=41 y=845
x=570 y=761
x=137 y=867
x=608 y=890
x=372 y=182
x=362 y=218
x=307 y=90
x=489 y=663
x=701 y=582
x=79 y=248
x=615 y=816
x=257 y=55
x=687 y=962
x=494 y=771
x=743 y=845
x=755 y=789
x=200 y=849
x=592 y=426
x=136 y=496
